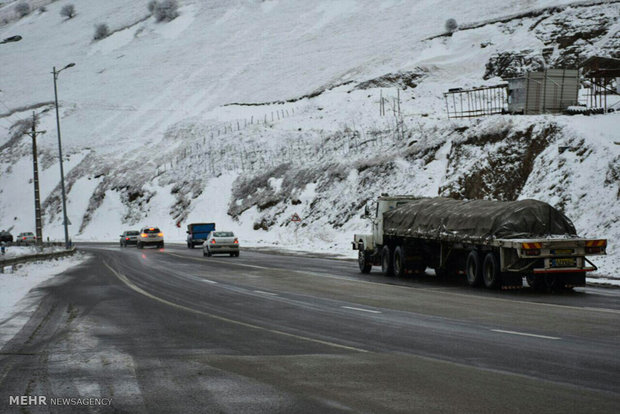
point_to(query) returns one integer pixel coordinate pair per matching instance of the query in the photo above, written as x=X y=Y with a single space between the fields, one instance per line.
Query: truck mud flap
x=511 y=281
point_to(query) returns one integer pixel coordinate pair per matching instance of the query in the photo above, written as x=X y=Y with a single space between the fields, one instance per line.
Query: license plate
x=562 y=251
x=564 y=262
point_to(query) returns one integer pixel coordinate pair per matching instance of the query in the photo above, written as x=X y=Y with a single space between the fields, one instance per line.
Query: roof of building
x=601 y=67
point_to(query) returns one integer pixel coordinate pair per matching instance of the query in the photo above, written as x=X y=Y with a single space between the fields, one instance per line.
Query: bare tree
x=68 y=11
x=22 y=9
x=451 y=25
x=101 y=31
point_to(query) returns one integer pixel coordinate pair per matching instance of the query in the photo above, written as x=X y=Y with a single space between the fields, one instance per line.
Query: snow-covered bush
x=101 y=31
x=164 y=10
x=22 y=9
x=68 y=11
x=451 y=25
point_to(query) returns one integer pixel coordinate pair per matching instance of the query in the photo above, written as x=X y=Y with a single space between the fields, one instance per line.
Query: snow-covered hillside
x=244 y=112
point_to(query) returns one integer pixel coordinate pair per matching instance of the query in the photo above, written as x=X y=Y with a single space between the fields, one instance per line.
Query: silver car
x=221 y=242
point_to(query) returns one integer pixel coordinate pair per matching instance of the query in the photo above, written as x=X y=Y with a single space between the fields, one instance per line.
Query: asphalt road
x=171 y=331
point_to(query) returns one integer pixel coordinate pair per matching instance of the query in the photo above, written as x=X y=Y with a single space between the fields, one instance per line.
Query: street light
x=11 y=39
x=62 y=173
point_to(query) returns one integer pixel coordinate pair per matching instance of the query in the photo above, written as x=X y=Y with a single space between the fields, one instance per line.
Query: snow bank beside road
x=16 y=304
x=16 y=251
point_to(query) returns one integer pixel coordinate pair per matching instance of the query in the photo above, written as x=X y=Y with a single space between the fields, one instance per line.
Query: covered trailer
x=494 y=243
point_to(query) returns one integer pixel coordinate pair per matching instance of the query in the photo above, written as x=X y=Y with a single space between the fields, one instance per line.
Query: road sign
x=295 y=218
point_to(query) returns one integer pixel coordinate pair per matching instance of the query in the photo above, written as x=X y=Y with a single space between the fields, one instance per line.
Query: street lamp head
x=12 y=39
x=70 y=65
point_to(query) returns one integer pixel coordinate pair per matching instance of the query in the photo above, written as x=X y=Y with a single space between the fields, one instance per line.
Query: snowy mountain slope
x=150 y=137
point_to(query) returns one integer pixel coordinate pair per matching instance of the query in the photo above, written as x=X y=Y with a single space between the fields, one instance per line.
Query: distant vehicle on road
x=6 y=236
x=26 y=238
x=197 y=233
x=150 y=236
x=221 y=242
x=129 y=237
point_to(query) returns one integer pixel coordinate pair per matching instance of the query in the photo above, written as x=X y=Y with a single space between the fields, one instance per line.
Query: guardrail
x=35 y=257
x=44 y=244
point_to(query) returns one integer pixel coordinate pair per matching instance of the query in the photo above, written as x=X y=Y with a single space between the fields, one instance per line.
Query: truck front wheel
x=363 y=260
x=473 y=269
x=398 y=262
x=386 y=261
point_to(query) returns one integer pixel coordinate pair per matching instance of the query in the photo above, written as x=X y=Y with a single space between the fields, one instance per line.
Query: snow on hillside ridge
x=152 y=135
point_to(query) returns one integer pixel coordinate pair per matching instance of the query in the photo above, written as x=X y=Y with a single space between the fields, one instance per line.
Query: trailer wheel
x=491 y=271
x=363 y=260
x=473 y=269
x=386 y=261
x=398 y=262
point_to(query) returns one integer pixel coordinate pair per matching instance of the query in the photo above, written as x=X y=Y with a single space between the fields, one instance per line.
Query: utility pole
x=35 y=167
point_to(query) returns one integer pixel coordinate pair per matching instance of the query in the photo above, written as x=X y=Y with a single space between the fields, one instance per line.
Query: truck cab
x=368 y=242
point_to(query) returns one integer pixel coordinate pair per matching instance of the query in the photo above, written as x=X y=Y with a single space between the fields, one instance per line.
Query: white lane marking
x=143 y=292
x=231 y=262
x=213 y=282
x=437 y=291
x=360 y=309
x=525 y=334
x=265 y=293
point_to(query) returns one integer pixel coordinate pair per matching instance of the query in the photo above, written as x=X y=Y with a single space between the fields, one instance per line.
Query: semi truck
x=197 y=233
x=490 y=243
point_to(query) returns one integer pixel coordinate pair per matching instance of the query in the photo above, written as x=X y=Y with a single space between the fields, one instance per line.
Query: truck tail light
x=531 y=249
x=126 y=238
x=160 y=234
x=212 y=241
x=595 y=246
x=236 y=241
x=143 y=235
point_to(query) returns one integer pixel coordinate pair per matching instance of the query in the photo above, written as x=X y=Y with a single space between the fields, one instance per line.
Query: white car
x=150 y=236
x=221 y=242
x=26 y=238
